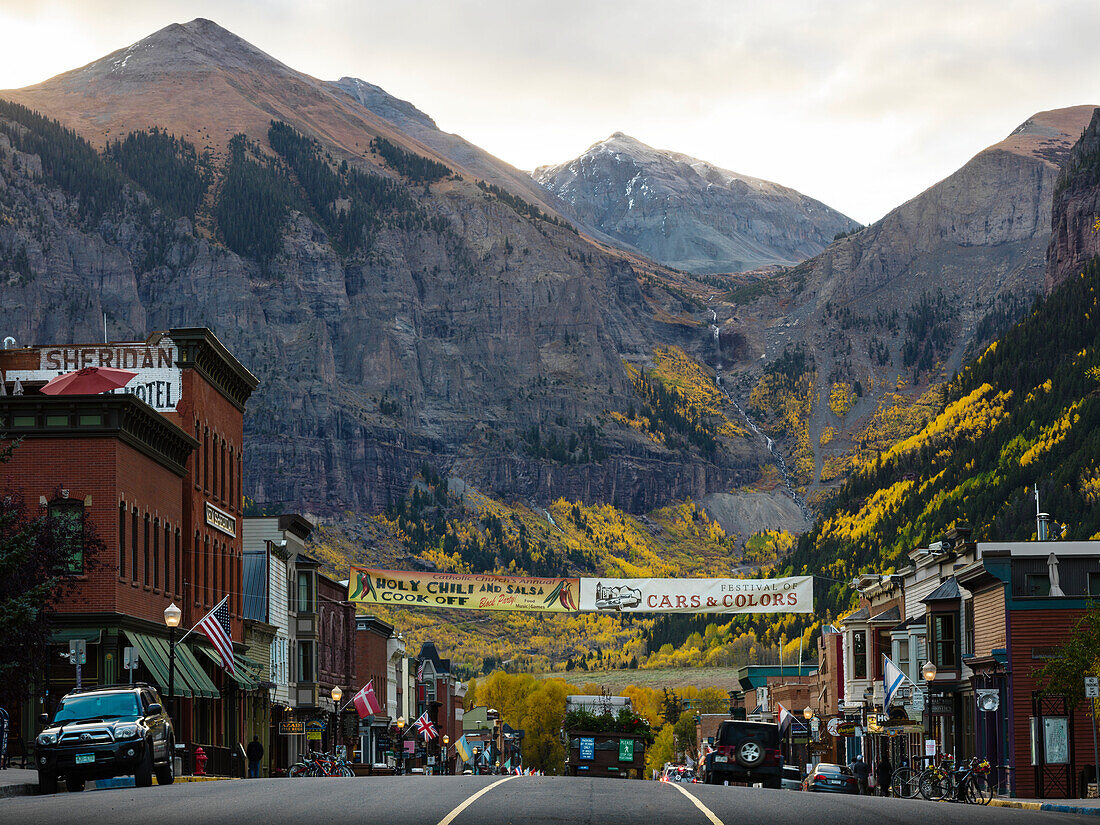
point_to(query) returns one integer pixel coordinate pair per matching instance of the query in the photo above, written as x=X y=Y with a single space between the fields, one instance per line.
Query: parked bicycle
x=968 y=784
x=321 y=764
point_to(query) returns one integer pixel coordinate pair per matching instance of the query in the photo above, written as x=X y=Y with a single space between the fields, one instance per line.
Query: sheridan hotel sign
x=221 y=520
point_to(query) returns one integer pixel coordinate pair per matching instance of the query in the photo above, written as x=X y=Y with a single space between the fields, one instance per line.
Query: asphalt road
x=474 y=800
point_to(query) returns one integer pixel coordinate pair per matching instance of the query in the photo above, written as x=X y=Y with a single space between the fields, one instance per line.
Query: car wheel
x=166 y=774
x=74 y=784
x=47 y=782
x=143 y=773
x=750 y=753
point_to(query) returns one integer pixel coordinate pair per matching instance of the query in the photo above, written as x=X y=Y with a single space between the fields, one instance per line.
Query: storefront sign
x=462 y=590
x=626 y=750
x=314 y=729
x=943 y=705
x=291 y=728
x=790 y=595
x=159 y=382
x=588 y=747
x=221 y=520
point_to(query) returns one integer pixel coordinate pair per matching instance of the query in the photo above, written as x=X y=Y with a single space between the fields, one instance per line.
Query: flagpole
x=203 y=619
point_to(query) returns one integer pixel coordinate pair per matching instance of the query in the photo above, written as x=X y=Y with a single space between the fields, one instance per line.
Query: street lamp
x=172 y=616
x=929 y=672
x=336 y=694
x=808 y=713
x=400 y=743
x=446 y=742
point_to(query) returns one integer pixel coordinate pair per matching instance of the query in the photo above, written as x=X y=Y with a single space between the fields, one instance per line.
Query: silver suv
x=102 y=732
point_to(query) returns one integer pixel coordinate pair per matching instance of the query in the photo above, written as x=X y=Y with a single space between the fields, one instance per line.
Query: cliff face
x=687 y=213
x=1075 y=237
x=465 y=322
x=904 y=301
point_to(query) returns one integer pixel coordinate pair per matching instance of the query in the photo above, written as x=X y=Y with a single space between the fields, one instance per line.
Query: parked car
x=792 y=778
x=103 y=732
x=745 y=752
x=828 y=778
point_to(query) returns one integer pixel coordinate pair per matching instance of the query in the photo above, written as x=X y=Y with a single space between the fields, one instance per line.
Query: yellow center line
x=471 y=800
x=707 y=812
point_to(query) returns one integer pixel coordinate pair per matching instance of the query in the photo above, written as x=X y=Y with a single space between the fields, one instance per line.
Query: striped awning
x=190 y=679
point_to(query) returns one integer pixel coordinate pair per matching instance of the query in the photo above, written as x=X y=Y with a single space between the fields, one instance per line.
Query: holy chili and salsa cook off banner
x=477 y=591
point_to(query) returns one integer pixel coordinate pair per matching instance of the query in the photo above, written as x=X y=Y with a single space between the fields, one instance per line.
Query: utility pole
x=1092 y=693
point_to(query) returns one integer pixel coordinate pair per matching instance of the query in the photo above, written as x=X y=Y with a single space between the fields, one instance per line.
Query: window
x=1094 y=584
x=145 y=553
x=156 y=553
x=305 y=592
x=859 y=654
x=903 y=656
x=944 y=654
x=968 y=634
x=179 y=564
x=205 y=459
x=206 y=569
x=133 y=544
x=305 y=661
x=196 y=467
x=221 y=480
x=67 y=521
x=1037 y=584
x=167 y=558
x=122 y=538
x=214 y=594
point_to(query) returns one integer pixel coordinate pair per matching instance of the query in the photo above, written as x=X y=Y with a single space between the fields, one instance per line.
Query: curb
x=1044 y=806
x=7 y=791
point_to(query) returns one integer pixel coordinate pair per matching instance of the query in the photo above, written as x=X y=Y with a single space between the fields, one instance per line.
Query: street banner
x=474 y=591
x=789 y=595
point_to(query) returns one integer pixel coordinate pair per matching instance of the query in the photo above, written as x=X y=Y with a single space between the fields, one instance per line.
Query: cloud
x=861 y=104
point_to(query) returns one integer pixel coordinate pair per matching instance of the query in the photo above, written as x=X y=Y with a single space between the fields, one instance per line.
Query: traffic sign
x=1092 y=687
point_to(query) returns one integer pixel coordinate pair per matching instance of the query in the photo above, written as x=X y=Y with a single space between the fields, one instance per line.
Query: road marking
x=471 y=800
x=706 y=811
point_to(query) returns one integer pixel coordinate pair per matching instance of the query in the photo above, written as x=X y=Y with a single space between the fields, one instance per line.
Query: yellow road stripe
x=707 y=812
x=471 y=800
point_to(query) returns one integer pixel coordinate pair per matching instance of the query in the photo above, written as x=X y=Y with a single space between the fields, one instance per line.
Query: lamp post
x=928 y=671
x=446 y=742
x=336 y=694
x=172 y=616
x=400 y=743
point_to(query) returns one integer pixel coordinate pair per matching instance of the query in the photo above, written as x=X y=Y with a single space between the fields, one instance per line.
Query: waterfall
x=769 y=444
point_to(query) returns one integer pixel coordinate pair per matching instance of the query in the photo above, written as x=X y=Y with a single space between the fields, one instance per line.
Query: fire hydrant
x=200 y=761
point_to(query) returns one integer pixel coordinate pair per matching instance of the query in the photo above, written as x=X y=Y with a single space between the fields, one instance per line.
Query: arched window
x=145 y=552
x=206 y=570
x=205 y=458
x=221 y=479
x=167 y=558
x=134 y=544
x=179 y=564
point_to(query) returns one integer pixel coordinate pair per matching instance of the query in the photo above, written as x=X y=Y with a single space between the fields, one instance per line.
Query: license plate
x=85 y=758
x=721 y=759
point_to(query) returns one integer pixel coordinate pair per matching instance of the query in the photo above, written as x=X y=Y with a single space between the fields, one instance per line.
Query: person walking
x=254 y=752
x=861 y=770
x=883 y=771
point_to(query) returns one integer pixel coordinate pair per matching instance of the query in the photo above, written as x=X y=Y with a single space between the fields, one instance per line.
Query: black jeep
x=102 y=732
x=745 y=752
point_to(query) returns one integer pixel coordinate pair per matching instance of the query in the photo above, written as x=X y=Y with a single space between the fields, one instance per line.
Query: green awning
x=200 y=682
x=245 y=677
x=91 y=635
x=190 y=679
x=156 y=663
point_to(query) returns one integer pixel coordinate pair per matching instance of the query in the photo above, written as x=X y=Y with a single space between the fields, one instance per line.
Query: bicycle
x=967 y=784
x=904 y=782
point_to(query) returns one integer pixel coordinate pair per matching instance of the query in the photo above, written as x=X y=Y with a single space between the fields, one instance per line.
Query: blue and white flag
x=892 y=679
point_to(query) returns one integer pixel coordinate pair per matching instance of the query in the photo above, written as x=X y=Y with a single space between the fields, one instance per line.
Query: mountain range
x=687 y=213
x=411 y=300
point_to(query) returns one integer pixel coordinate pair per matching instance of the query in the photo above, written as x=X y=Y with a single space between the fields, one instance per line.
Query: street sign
x=815 y=724
x=833 y=726
x=626 y=750
x=588 y=747
x=130 y=658
x=1092 y=687
x=78 y=651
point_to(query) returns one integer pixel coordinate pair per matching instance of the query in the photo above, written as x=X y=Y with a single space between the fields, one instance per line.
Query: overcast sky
x=859 y=104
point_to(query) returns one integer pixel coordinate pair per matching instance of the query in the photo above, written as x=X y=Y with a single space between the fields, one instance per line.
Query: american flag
x=425 y=727
x=216 y=627
x=420 y=672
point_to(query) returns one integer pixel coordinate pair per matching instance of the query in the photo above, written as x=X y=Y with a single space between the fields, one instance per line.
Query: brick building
x=156 y=469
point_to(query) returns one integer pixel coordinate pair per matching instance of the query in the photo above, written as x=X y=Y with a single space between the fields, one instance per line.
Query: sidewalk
x=18 y=782
x=1088 y=807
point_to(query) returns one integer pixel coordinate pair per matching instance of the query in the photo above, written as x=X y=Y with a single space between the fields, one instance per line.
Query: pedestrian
x=861 y=770
x=883 y=771
x=254 y=752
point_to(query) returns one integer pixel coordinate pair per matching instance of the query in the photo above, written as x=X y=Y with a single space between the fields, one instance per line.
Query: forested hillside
x=1024 y=413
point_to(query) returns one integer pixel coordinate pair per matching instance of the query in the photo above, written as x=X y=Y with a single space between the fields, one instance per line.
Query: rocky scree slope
x=687 y=213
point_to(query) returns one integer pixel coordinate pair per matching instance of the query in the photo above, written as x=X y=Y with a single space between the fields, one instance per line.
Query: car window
x=731 y=733
x=97 y=706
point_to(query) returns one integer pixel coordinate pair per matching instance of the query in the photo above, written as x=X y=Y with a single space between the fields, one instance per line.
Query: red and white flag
x=215 y=625
x=425 y=727
x=784 y=719
x=366 y=702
